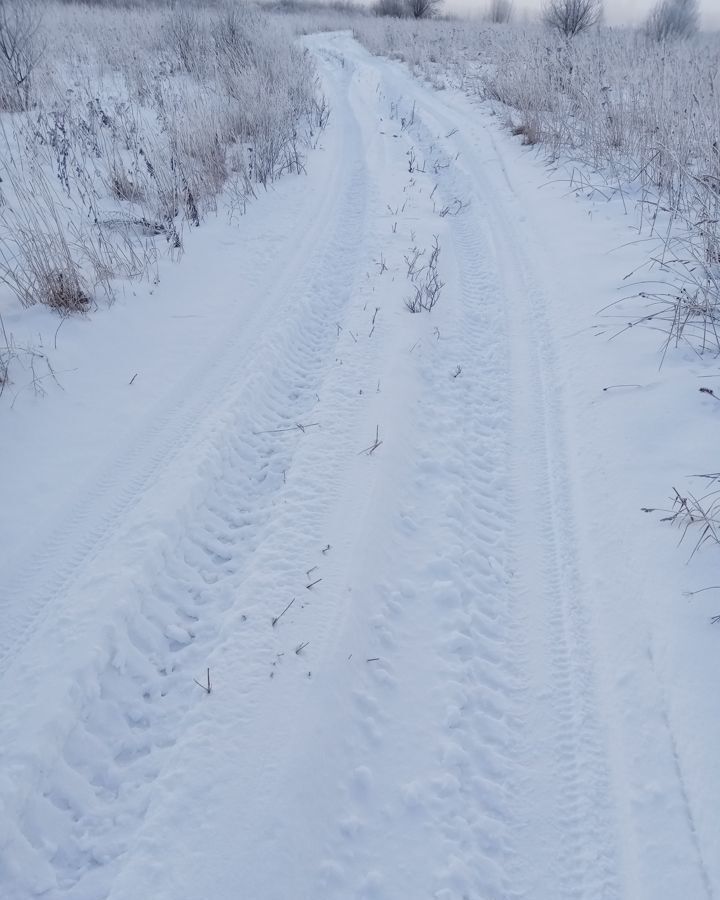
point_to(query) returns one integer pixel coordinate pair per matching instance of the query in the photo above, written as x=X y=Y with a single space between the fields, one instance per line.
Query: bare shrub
x=425 y=280
x=697 y=513
x=424 y=9
x=572 y=17
x=20 y=51
x=673 y=19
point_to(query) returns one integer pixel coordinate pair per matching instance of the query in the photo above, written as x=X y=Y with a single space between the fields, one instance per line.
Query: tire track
x=195 y=405
x=79 y=808
x=584 y=863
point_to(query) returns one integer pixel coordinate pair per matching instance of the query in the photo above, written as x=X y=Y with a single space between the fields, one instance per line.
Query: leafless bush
x=20 y=51
x=673 y=19
x=425 y=280
x=572 y=17
x=411 y=261
x=701 y=513
x=424 y=9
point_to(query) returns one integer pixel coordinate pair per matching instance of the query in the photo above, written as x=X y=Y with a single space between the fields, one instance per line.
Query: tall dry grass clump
x=614 y=102
x=133 y=123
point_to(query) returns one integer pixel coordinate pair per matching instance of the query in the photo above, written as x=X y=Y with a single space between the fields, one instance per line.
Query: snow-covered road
x=468 y=695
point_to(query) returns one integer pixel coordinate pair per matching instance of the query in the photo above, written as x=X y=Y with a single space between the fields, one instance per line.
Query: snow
x=502 y=690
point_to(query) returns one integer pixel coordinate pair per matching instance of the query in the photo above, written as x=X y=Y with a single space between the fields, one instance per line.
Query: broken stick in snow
x=277 y=618
x=206 y=687
x=373 y=447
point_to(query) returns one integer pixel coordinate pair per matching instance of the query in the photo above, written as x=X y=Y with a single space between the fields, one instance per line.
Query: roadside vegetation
x=621 y=113
x=631 y=115
x=122 y=128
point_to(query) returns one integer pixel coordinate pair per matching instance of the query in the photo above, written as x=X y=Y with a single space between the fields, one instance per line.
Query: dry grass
x=140 y=121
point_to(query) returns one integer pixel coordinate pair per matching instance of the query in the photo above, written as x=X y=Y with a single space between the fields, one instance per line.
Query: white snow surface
x=503 y=691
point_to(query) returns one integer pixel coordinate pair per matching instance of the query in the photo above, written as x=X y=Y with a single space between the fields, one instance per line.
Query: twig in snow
x=291 y=428
x=458 y=371
x=612 y=387
x=300 y=647
x=453 y=209
x=277 y=618
x=373 y=447
x=325 y=549
x=206 y=687
x=62 y=322
x=313 y=583
x=704 y=390
x=133 y=378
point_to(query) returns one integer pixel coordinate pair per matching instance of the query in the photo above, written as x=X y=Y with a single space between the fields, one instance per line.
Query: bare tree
x=673 y=19
x=424 y=9
x=20 y=51
x=570 y=17
x=500 y=11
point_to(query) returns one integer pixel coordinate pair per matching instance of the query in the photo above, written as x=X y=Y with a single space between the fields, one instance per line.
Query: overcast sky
x=616 y=11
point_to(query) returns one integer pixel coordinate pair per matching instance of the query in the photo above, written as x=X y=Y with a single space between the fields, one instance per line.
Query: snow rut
x=430 y=767
x=550 y=795
x=83 y=793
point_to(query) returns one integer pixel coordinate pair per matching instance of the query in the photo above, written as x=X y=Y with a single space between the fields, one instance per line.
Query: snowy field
x=324 y=571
